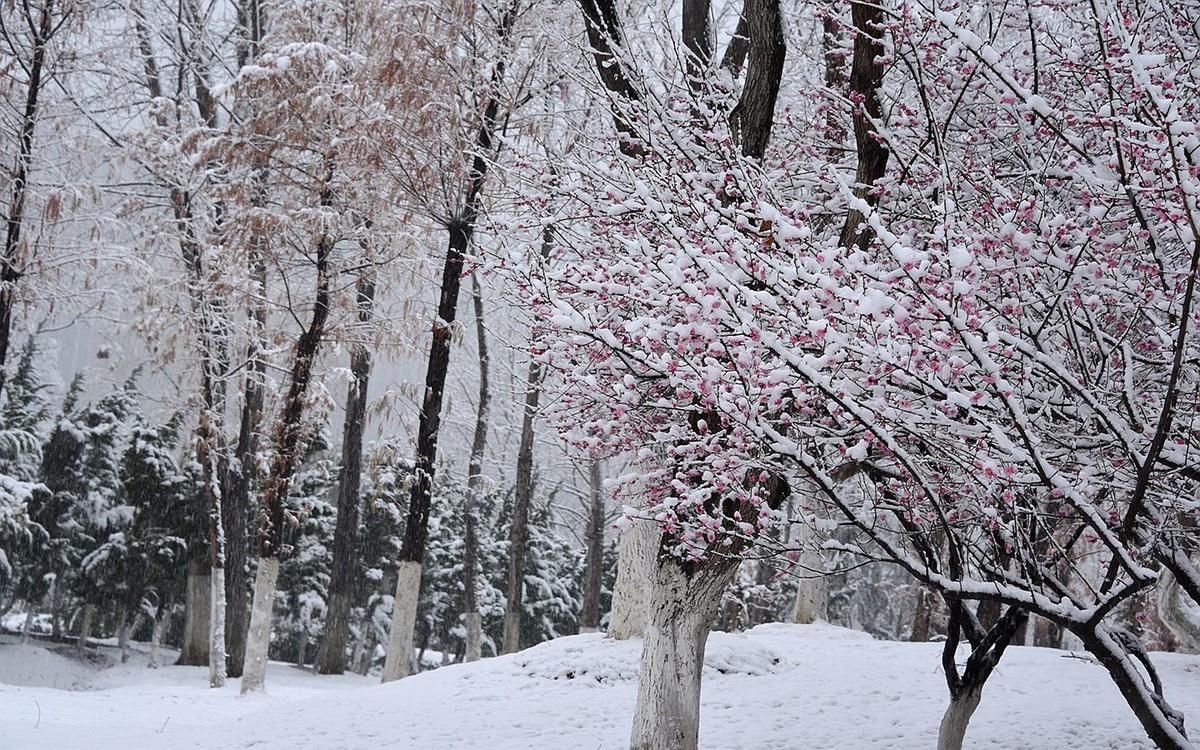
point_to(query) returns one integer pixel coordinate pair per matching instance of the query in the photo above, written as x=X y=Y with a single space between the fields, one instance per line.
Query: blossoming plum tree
x=986 y=320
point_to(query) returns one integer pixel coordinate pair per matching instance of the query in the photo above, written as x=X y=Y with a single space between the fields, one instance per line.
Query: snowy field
x=777 y=686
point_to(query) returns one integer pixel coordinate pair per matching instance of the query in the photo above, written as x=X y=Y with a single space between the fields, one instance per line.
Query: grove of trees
x=877 y=312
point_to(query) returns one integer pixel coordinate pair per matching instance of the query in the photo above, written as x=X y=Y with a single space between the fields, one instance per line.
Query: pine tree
x=302 y=594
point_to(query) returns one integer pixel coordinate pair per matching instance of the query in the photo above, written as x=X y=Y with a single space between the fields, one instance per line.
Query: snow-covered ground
x=777 y=686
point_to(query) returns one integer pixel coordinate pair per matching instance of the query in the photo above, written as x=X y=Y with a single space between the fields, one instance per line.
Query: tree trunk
x=472 y=620
x=28 y=624
x=812 y=593
x=196 y=617
x=953 y=729
x=474 y=623
x=922 y=627
x=399 y=662
x=85 y=627
x=331 y=656
x=522 y=497
x=302 y=646
x=56 y=609
x=683 y=608
x=1163 y=724
x=258 y=643
x=216 y=646
x=412 y=551
x=1173 y=609
x=123 y=634
x=235 y=509
x=636 y=552
x=161 y=619
x=593 y=579
x=12 y=264
x=461 y=228
x=289 y=445
x=866 y=79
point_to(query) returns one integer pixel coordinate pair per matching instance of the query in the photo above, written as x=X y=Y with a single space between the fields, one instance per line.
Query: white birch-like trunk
x=258 y=641
x=216 y=636
x=474 y=637
x=683 y=607
x=160 y=627
x=636 y=552
x=953 y=729
x=398 y=663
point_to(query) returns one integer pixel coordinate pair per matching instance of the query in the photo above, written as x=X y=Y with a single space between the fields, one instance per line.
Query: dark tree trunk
x=461 y=230
x=966 y=686
x=475 y=485
x=236 y=509
x=589 y=619
x=922 y=627
x=290 y=435
x=12 y=265
x=866 y=77
x=331 y=656
x=1135 y=676
x=522 y=497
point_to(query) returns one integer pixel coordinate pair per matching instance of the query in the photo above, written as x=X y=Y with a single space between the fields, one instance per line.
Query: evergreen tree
x=302 y=590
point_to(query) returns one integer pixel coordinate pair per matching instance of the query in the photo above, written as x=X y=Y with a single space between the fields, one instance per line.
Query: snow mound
x=590 y=657
x=60 y=668
x=594 y=658
x=728 y=653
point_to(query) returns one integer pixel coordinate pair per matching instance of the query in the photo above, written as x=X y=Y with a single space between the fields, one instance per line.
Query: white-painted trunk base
x=474 y=626
x=398 y=663
x=682 y=610
x=636 y=553
x=953 y=729
x=216 y=640
x=258 y=641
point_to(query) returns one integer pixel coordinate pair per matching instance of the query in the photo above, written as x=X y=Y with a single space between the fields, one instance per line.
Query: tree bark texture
x=399 y=662
x=522 y=498
x=812 y=593
x=197 y=613
x=235 y=510
x=461 y=229
x=637 y=549
x=331 y=656
x=1117 y=653
x=258 y=643
x=473 y=622
x=683 y=607
x=12 y=265
x=593 y=579
x=953 y=729
x=289 y=445
x=866 y=78
x=216 y=646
